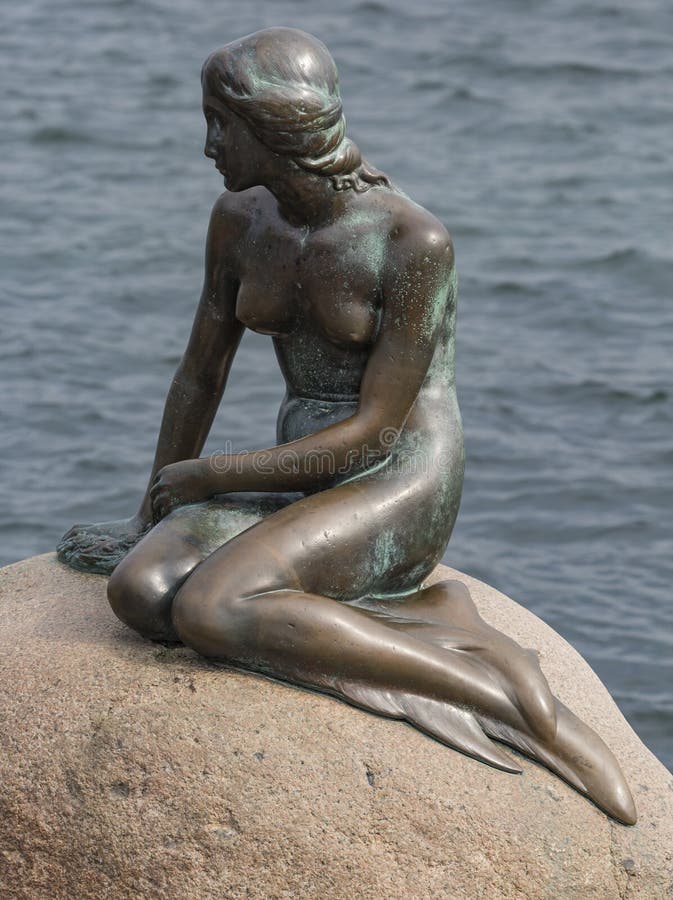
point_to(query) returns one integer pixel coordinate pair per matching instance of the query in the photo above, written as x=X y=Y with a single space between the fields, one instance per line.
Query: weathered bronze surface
x=306 y=561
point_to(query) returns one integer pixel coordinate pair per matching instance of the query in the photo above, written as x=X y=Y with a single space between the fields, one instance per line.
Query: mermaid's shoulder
x=232 y=215
x=416 y=239
x=415 y=227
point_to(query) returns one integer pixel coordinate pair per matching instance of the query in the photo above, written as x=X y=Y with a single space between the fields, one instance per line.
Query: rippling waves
x=539 y=133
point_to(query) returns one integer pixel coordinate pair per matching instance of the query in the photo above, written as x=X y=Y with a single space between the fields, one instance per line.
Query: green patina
x=386 y=551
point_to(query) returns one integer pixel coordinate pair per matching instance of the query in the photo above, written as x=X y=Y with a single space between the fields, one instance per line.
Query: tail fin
x=530 y=719
x=456 y=727
x=576 y=754
x=579 y=756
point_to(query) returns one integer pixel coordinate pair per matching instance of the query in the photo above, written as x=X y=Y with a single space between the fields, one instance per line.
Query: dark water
x=540 y=133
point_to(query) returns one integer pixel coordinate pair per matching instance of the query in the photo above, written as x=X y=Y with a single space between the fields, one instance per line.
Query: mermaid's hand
x=179 y=484
x=101 y=546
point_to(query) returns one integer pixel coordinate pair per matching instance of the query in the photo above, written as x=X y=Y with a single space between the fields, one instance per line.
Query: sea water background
x=539 y=132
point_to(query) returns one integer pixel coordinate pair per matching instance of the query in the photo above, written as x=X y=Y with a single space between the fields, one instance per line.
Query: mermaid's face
x=239 y=155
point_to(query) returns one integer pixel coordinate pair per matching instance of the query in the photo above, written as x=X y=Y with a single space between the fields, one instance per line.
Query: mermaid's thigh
x=208 y=526
x=380 y=535
x=365 y=537
x=142 y=587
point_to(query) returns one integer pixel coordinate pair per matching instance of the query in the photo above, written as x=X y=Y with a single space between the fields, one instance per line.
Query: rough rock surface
x=132 y=770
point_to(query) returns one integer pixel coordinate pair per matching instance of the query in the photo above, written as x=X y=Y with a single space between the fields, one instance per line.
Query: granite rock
x=132 y=770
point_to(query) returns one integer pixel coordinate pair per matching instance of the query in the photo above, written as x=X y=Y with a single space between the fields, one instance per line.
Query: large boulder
x=131 y=770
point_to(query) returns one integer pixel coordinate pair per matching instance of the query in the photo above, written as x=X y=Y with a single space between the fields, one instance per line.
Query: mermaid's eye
x=214 y=120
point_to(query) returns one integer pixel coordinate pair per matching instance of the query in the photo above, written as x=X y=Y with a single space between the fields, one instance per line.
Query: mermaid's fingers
x=98 y=553
x=97 y=563
x=65 y=545
x=74 y=545
x=73 y=542
x=71 y=532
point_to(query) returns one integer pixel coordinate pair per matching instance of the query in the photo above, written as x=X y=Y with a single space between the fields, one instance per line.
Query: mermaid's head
x=283 y=84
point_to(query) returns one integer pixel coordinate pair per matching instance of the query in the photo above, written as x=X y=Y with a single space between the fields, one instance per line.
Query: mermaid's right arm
x=201 y=376
x=192 y=399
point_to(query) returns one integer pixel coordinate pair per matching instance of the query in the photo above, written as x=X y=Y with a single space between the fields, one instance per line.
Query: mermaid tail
x=456 y=727
x=525 y=714
x=577 y=755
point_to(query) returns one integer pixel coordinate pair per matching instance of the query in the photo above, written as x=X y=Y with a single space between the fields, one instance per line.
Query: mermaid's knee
x=215 y=610
x=141 y=596
x=215 y=623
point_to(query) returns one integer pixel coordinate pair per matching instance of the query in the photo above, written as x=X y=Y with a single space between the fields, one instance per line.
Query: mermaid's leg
x=265 y=601
x=444 y=615
x=143 y=584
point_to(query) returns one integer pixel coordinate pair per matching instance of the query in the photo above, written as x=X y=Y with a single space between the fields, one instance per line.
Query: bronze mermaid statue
x=307 y=561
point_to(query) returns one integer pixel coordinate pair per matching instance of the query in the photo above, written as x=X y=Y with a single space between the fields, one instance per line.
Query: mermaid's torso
x=319 y=296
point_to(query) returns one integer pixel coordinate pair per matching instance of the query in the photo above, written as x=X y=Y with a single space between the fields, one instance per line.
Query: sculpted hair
x=285 y=84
